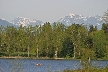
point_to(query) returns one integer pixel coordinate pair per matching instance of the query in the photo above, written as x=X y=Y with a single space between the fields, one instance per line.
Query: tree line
x=54 y=40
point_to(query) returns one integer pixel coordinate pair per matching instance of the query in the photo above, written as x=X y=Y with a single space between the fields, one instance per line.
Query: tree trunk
x=74 y=53
x=18 y=53
x=28 y=50
x=79 y=53
x=55 y=53
x=89 y=60
x=37 y=53
x=47 y=53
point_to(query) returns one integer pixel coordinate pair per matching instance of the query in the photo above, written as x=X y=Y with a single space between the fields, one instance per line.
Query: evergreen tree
x=99 y=40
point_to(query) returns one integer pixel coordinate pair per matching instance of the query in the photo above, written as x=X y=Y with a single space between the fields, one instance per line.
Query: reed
x=89 y=69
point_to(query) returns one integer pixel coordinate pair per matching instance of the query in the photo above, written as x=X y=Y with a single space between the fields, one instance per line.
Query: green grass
x=89 y=70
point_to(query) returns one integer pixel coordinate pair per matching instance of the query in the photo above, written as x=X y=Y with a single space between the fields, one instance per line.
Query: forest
x=55 y=41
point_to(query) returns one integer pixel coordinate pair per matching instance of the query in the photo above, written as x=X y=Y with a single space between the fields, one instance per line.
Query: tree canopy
x=54 y=40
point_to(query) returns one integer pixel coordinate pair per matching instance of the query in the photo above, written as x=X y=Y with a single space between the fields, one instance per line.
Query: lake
x=29 y=65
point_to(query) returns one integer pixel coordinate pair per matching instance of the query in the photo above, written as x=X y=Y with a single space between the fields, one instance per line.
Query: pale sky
x=50 y=10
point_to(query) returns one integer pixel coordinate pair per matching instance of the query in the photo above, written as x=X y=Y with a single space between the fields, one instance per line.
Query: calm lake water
x=29 y=65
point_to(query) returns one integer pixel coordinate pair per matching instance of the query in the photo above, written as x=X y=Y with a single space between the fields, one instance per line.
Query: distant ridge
x=5 y=23
x=26 y=21
x=79 y=19
x=66 y=20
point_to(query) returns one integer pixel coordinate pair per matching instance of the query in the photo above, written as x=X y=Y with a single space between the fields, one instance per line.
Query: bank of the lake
x=89 y=70
x=44 y=58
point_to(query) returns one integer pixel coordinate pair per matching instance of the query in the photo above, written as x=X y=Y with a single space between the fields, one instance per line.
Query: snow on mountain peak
x=2 y=19
x=79 y=19
x=71 y=14
x=25 y=21
x=67 y=20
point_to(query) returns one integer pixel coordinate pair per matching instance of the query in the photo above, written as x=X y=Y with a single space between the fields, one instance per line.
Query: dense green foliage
x=54 y=40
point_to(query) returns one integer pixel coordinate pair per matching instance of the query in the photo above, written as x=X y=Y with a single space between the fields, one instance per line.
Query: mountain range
x=67 y=20
x=3 y=22
x=79 y=19
x=25 y=21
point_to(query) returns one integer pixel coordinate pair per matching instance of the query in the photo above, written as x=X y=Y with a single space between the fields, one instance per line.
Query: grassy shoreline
x=42 y=58
x=20 y=57
x=89 y=70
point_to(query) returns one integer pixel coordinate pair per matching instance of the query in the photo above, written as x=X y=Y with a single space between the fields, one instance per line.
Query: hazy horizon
x=50 y=10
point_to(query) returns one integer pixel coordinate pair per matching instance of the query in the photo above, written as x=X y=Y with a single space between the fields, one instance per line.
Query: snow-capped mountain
x=79 y=19
x=26 y=21
x=67 y=20
x=5 y=23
